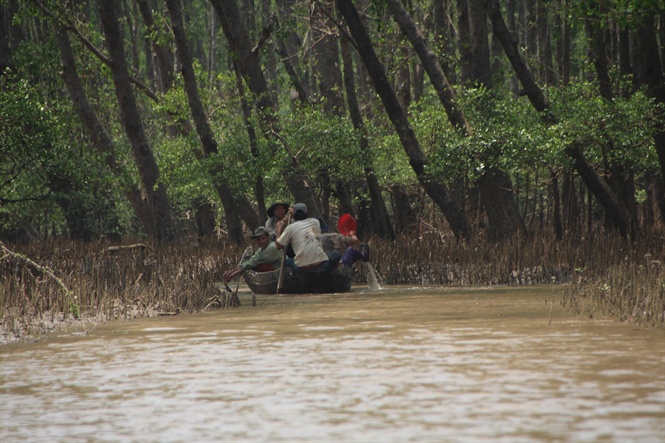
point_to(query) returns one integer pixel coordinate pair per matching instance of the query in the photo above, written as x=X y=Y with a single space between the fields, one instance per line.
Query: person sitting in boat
x=344 y=246
x=304 y=235
x=276 y=213
x=266 y=258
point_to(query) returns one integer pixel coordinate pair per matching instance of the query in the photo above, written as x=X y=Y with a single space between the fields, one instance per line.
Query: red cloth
x=264 y=267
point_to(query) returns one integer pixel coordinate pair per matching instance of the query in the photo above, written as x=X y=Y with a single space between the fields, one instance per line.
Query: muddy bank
x=20 y=329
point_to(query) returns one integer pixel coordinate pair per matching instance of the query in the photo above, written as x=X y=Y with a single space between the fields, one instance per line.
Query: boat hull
x=314 y=281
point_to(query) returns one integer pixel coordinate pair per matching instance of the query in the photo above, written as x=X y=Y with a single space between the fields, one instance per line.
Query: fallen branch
x=34 y=265
x=116 y=249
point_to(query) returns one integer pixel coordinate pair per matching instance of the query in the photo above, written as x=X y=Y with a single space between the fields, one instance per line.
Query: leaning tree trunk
x=288 y=43
x=250 y=67
x=616 y=213
x=531 y=88
x=436 y=190
x=436 y=75
x=328 y=79
x=167 y=229
x=259 y=188
x=98 y=134
x=380 y=218
x=232 y=208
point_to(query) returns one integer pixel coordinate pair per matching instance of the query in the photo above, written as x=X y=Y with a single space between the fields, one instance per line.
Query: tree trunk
x=650 y=69
x=444 y=34
x=622 y=182
x=437 y=191
x=326 y=57
x=259 y=189
x=531 y=89
x=167 y=229
x=328 y=77
x=250 y=67
x=270 y=46
x=572 y=212
x=380 y=219
x=205 y=218
x=288 y=43
x=618 y=216
x=625 y=70
x=545 y=44
x=597 y=55
x=98 y=134
x=302 y=91
x=464 y=39
x=401 y=209
x=434 y=71
x=481 y=73
x=403 y=79
x=556 y=209
x=343 y=194
x=161 y=54
x=531 y=34
x=231 y=207
x=564 y=41
x=496 y=193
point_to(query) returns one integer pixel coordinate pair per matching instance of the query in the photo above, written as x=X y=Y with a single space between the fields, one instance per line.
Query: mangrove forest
x=476 y=142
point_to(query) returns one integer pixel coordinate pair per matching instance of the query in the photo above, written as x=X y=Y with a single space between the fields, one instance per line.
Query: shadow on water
x=397 y=364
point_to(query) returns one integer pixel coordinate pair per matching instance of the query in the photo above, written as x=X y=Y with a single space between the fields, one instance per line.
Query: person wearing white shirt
x=304 y=235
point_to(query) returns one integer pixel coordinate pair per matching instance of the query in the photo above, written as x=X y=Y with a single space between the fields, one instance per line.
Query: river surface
x=400 y=364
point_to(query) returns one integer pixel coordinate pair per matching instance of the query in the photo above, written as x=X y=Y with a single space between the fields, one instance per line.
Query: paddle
x=280 y=280
x=346 y=224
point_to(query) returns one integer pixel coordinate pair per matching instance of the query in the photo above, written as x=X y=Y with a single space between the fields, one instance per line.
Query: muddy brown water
x=401 y=364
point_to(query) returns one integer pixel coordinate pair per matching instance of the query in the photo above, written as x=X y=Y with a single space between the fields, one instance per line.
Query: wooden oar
x=280 y=280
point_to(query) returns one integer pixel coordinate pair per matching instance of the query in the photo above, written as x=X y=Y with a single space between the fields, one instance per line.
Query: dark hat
x=300 y=208
x=271 y=209
x=260 y=231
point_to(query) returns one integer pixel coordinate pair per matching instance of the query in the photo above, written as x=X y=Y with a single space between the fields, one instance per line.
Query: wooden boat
x=315 y=281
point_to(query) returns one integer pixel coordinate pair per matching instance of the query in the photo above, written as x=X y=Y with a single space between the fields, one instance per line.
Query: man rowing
x=304 y=235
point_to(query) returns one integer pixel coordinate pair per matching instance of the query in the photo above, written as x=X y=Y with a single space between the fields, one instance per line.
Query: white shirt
x=305 y=238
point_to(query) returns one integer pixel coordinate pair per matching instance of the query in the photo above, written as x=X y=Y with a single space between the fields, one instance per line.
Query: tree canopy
x=124 y=119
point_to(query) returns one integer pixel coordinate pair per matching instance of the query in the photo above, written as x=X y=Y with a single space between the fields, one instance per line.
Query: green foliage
x=51 y=176
x=320 y=140
x=391 y=164
x=509 y=134
x=27 y=148
x=629 y=13
x=600 y=126
x=49 y=180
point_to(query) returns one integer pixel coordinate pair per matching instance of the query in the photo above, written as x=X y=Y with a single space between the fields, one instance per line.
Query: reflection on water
x=396 y=365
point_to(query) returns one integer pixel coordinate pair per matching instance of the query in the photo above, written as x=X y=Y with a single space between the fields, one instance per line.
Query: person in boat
x=346 y=246
x=276 y=213
x=266 y=258
x=304 y=235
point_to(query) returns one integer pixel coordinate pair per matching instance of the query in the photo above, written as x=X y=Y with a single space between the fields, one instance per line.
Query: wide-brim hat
x=260 y=231
x=271 y=209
